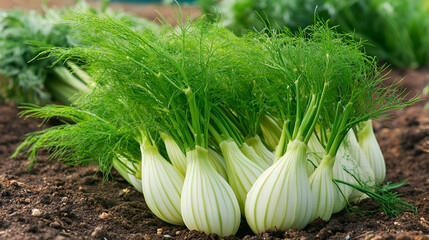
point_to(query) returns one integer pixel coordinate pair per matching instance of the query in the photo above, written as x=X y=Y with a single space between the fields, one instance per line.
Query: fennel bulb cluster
x=190 y=115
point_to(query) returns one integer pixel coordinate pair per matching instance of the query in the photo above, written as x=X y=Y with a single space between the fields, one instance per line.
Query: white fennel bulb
x=271 y=131
x=242 y=172
x=162 y=186
x=281 y=197
x=136 y=182
x=251 y=154
x=372 y=151
x=119 y=165
x=343 y=169
x=323 y=189
x=315 y=153
x=365 y=172
x=175 y=154
x=208 y=202
x=178 y=158
x=358 y=166
x=260 y=149
x=123 y=166
x=217 y=162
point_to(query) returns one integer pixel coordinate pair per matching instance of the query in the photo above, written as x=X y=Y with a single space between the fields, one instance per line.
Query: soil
x=74 y=204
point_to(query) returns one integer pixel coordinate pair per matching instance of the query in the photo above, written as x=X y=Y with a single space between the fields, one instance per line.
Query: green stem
x=308 y=118
x=298 y=110
x=216 y=135
x=235 y=121
x=284 y=140
x=64 y=74
x=220 y=126
x=185 y=136
x=334 y=129
x=232 y=129
x=79 y=72
x=195 y=117
x=319 y=107
x=342 y=131
x=224 y=124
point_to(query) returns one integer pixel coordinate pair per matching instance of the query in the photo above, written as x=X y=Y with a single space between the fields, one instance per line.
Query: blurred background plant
x=396 y=31
x=27 y=77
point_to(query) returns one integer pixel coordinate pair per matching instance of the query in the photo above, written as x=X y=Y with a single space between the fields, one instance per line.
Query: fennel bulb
x=372 y=151
x=344 y=166
x=208 y=202
x=217 y=162
x=271 y=131
x=133 y=179
x=323 y=189
x=122 y=170
x=280 y=198
x=251 y=154
x=358 y=165
x=242 y=172
x=315 y=153
x=261 y=149
x=178 y=158
x=175 y=154
x=136 y=182
x=162 y=185
x=365 y=173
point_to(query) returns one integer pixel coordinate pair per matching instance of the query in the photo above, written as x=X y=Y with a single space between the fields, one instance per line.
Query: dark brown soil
x=75 y=205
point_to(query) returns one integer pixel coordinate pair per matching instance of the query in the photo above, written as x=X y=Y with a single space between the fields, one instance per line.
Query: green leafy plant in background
x=396 y=31
x=24 y=80
x=26 y=76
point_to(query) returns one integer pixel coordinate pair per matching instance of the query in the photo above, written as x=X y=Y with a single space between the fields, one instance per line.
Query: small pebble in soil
x=167 y=236
x=20 y=184
x=103 y=216
x=124 y=191
x=178 y=232
x=55 y=224
x=60 y=237
x=36 y=212
x=159 y=231
x=97 y=232
x=27 y=200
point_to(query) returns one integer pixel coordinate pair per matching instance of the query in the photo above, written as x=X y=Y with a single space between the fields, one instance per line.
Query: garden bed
x=74 y=204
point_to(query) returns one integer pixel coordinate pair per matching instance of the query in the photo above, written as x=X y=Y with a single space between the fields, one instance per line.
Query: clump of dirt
x=72 y=203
